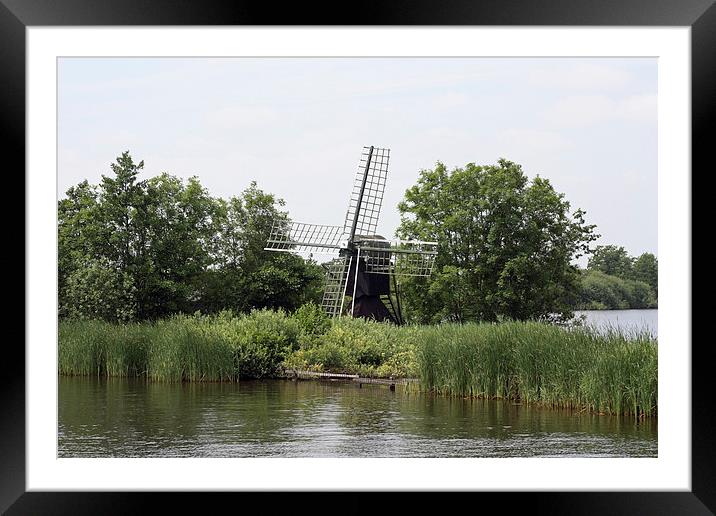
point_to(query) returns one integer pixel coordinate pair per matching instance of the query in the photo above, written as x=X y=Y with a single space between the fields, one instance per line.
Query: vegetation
x=615 y=280
x=222 y=347
x=135 y=257
x=137 y=250
x=529 y=361
x=359 y=346
x=601 y=291
x=535 y=362
x=134 y=250
x=615 y=261
x=505 y=244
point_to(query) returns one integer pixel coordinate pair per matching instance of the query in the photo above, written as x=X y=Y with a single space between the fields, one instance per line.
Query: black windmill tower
x=364 y=265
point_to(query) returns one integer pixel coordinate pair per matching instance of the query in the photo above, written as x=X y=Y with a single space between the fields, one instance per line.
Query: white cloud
x=450 y=100
x=582 y=76
x=534 y=139
x=297 y=126
x=639 y=107
x=242 y=116
x=585 y=110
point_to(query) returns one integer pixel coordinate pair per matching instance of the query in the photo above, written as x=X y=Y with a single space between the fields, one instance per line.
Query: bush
x=264 y=339
x=312 y=319
x=358 y=346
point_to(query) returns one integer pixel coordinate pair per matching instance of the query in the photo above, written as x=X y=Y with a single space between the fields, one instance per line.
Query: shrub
x=358 y=346
x=312 y=319
x=263 y=339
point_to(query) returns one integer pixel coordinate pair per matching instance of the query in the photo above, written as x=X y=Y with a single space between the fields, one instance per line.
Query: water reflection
x=134 y=418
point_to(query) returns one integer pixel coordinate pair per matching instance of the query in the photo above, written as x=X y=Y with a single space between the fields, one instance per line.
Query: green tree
x=451 y=291
x=646 y=269
x=602 y=291
x=99 y=290
x=122 y=199
x=248 y=277
x=617 y=280
x=180 y=224
x=174 y=247
x=505 y=244
x=77 y=234
x=245 y=227
x=611 y=260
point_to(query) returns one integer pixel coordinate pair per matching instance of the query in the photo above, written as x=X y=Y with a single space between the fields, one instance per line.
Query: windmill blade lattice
x=335 y=287
x=400 y=258
x=297 y=237
x=357 y=245
x=368 y=188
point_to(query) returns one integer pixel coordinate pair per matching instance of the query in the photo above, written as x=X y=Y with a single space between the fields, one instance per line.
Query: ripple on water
x=314 y=419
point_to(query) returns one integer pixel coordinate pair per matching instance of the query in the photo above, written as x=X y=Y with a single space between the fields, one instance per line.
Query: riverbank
x=578 y=368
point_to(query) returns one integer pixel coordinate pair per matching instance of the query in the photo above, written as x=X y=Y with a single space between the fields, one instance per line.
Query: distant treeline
x=615 y=280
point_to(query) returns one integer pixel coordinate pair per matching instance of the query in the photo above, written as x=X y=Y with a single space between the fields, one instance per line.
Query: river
x=628 y=320
x=119 y=417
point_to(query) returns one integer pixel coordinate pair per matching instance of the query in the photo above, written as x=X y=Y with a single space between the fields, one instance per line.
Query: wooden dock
x=391 y=382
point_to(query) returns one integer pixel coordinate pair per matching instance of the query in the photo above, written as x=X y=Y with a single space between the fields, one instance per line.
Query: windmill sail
x=367 y=196
x=336 y=282
x=363 y=260
x=399 y=257
x=297 y=237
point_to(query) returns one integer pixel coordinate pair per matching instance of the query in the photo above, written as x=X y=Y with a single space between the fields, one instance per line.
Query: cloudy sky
x=297 y=126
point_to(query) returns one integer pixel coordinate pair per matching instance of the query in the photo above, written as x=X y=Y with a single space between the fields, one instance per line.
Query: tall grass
x=607 y=372
x=181 y=348
x=613 y=372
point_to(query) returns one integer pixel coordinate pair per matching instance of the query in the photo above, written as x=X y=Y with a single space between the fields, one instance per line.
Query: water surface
x=279 y=418
x=628 y=320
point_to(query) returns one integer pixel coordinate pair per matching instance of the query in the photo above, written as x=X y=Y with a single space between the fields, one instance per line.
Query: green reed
x=180 y=348
x=613 y=372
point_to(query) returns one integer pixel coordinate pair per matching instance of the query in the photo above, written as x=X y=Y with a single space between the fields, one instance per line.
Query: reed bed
x=612 y=371
x=181 y=348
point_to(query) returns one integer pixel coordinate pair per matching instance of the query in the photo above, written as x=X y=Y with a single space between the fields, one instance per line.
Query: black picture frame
x=16 y=15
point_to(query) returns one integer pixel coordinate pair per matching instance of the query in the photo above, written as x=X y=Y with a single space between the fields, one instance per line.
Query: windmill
x=364 y=265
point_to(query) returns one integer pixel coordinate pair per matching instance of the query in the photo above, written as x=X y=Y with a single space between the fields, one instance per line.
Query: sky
x=297 y=127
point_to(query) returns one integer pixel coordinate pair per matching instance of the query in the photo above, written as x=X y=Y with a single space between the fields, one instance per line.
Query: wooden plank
x=387 y=381
x=350 y=377
x=293 y=372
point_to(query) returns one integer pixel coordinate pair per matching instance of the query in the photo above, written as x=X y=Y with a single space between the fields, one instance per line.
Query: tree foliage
x=616 y=280
x=505 y=244
x=98 y=290
x=601 y=291
x=612 y=260
x=173 y=248
x=246 y=276
x=646 y=269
